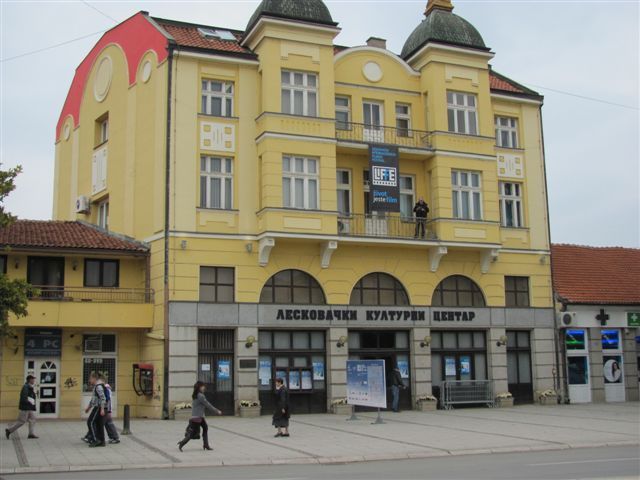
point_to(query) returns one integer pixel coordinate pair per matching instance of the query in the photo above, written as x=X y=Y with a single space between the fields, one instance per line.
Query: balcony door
x=373 y=114
x=47 y=273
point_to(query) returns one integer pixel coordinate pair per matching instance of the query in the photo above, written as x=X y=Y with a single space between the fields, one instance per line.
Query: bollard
x=126 y=430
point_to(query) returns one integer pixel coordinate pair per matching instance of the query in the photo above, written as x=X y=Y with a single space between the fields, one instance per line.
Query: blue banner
x=384 y=179
x=366 y=384
x=224 y=369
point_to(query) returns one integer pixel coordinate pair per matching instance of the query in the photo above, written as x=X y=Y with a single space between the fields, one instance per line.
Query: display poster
x=283 y=375
x=449 y=367
x=384 y=179
x=612 y=369
x=318 y=370
x=465 y=366
x=366 y=385
x=294 y=380
x=403 y=366
x=205 y=367
x=264 y=372
x=224 y=370
x=307 y=383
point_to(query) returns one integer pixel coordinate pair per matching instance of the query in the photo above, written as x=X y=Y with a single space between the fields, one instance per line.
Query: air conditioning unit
x=93 y=344
x=83 y=204
x=566 y=318
x=344 y=226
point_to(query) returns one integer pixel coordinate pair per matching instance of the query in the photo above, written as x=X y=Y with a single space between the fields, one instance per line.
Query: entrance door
x=46 y=371
x=578 y=378
x=215 y=367
x=373 y=122
x=613 y=369
x=519 y=366
x=47 y=273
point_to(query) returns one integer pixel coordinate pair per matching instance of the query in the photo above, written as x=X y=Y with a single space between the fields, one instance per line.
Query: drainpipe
x=167 y=180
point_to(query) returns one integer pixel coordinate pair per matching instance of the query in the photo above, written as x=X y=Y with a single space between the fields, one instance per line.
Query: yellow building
x=244 y=159
x=91 y=312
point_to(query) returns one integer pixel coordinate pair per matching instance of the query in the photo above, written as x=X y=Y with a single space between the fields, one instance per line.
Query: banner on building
x=384 y=179
x=42 y=343
x=366 y=383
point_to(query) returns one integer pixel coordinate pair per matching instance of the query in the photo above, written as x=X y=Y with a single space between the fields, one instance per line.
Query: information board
x=366 y=384
x=384 y=179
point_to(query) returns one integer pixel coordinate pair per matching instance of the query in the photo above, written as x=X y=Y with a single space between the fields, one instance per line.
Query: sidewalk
x=327 y=438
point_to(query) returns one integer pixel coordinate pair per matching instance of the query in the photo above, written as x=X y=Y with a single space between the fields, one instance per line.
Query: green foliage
x=7 y=185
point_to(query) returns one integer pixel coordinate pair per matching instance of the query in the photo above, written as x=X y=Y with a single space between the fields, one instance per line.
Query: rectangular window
x=217 y=98
x=101 y=273
x=575 y=340
x=516 y=291
x=466 y=196
x=217 y=284
x=299 y=93
x=610 y=339
x=300 y=182
x=506 y=132
x=3 y=264
x=99 y=356
x=511 y=205
x=103 y=215
x=403 y=120
x=216 y=183
x=407 y=195
x=343 y=113
x=462 y=114
x=103 y=134
x=343 y=187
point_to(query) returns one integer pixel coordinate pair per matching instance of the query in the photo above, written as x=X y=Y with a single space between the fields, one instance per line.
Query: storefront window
x=458 y=355
x=575 y=339
x=578 y=370
x=610 y=339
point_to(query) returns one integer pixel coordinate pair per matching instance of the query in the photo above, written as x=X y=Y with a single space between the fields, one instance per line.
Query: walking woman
x=281 y=413
x=197 y=419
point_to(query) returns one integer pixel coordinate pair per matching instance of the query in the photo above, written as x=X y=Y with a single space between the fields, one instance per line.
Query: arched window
x=378 y=289
x=457 y=291
x=292 y=286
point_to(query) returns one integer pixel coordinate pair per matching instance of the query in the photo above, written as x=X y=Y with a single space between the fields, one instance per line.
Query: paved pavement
x=328 y=439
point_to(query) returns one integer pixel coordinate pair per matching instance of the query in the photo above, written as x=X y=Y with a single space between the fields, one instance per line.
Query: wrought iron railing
x=384 y=226
x=363 y=133
x=97 y=295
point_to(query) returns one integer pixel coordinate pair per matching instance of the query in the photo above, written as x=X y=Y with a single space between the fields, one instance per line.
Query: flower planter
x=342 y=409
x=550 y=400
x=427 y=406
x=504 y=402
x=249 y=412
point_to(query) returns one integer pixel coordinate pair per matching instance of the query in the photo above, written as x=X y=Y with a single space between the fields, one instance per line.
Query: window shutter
x=94 y=173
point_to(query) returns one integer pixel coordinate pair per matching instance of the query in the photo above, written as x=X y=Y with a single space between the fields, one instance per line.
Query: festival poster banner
x=294 y=380
x=307 y=383
x=224 y=370
x=366 y=385
x=264 y=372
x=403 y=366
x=384 y=179
x=318 y=370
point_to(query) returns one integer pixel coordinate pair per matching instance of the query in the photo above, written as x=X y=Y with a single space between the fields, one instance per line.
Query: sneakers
x=97 y=444
x=7 y=433
x=114 y=441
x=86 y=440
x=33 y=436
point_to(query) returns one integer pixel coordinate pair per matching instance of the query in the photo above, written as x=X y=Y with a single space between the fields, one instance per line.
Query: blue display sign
x=384 y=179
x=42 y=342
x=610 y=339
x=224 y=370
x=366 y=384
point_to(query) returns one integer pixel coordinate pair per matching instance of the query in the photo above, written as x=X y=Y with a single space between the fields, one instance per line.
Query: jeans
x=112 y=431
x=395 y=392
x=25 y=416
x=421 y=225
x=96 y=425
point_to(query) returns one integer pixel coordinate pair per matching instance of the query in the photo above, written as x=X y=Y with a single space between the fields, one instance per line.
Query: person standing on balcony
x=421 y=209
x=27 y=408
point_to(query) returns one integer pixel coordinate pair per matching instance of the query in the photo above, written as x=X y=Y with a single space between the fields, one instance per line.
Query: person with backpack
x=27 y=409
x=97 y=405
x=197 y=420
x=109 y=426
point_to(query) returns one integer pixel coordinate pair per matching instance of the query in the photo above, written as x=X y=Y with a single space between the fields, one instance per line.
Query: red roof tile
x=497 y=83
x=39 y=234
x=187 y=35
x=596 y=275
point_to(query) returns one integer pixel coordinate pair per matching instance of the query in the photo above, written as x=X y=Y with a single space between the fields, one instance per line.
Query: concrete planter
x=552 y=400
x=249 y=412
x=342 y=409
x=504 y=402
x=427 y=406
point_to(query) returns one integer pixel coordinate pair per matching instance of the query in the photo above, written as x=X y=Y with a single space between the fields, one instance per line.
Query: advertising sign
x=294 y=380
x=224 y=370
x=42 y=343
x=318 y=370
x=366 y=384
x=307 y=384
x=612 y=370
x=403 y=366
x=384 y=179
x=633 y=319
x=264 y=372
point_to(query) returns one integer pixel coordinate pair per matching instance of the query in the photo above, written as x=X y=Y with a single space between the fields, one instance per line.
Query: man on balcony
x=421 y=210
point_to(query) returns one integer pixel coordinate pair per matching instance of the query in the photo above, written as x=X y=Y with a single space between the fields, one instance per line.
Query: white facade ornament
x=326 y=250
x=435 y=255
x=372 y=72
x=487 y=257
x=264 y=250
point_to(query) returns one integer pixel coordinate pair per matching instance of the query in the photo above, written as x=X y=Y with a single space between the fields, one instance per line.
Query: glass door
x=613 y=368
x=373 y=127
x=215 y=367
x=519 y=366
x=578 y=378
x=46 y=372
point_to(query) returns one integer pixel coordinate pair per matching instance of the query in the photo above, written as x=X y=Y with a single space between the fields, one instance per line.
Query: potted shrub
x=340 y=406
x=504 y=399
x=249 y=408
x=182 y=411
x=426 y=403
x=547 y=397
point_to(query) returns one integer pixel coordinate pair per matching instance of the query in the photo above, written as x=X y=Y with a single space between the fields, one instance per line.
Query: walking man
x=396 y=385
x=97 y=405
x=421 y=209
x=109 y=426
x=27 y=407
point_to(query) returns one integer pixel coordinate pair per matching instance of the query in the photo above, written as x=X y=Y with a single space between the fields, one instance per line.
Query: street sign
x=366 y=383
x=633 y=319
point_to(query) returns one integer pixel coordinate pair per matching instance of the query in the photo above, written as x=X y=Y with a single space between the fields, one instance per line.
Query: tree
x=14 y=294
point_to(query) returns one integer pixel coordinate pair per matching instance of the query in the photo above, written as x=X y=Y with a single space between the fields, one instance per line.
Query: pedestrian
x=396 y=385
x=27 y=408
x=421 y=209
x=281 y=414
x=97 y=405
x=109 y=426
x=197 y=420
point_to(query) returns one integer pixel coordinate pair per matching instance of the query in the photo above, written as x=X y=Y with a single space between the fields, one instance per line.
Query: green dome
x=442 y=26
x=314 y=11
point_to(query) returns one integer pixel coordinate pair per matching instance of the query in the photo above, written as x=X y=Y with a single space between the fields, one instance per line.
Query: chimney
x=377 y=42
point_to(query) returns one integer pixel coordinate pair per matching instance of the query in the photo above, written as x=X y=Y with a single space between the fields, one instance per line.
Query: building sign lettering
x=453 y=316
x=350 y=315
x=42 y=343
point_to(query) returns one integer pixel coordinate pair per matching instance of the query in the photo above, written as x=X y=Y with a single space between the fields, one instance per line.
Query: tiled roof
x=38 y=234
x=596 y=275
x=187 y=35
x=498 y=81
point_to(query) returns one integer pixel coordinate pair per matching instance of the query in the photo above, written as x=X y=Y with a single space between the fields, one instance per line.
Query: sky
x=582 y=48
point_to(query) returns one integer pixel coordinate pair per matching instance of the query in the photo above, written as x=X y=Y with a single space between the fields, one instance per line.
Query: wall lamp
x=342 y=341
x=426 y=341
x=250 y=341
x=16 y=264
x=502 y=341
x=74 y=264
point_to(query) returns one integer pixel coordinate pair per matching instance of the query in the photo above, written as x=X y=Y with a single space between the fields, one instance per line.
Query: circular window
x=372 y=71
x=102 y=81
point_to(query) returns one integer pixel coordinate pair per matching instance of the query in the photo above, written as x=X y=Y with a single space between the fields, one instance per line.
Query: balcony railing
x=97 y=295
x=382 y=226
x=362 y=133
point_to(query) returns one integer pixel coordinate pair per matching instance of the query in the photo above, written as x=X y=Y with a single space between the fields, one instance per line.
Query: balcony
x=390 y=226
x=362 y=133
x=97 y=295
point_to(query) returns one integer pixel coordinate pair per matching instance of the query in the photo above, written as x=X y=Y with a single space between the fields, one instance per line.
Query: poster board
x=366 y=383
x=384 y=179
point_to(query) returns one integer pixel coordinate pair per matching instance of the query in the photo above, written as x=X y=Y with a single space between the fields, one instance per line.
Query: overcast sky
x=586 y=48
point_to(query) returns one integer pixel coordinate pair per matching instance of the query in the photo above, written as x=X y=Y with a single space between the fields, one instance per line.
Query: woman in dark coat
x=197 y=420
x=281 y=413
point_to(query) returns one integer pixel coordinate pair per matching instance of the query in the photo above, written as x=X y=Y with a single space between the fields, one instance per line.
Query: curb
x=312 y=461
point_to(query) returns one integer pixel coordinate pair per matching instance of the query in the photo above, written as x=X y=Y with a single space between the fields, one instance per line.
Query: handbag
x=193 y=430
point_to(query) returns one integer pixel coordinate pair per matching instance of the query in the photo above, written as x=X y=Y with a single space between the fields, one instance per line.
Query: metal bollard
x=126 y=430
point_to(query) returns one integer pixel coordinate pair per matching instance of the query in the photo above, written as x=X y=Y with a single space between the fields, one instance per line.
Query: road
x=581 y=463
